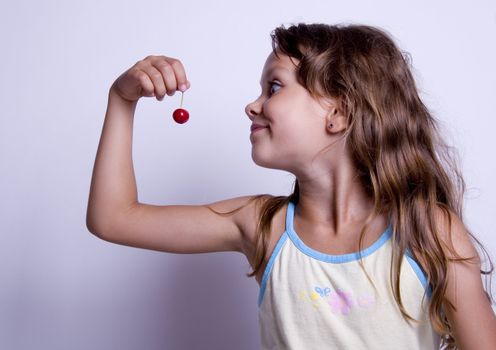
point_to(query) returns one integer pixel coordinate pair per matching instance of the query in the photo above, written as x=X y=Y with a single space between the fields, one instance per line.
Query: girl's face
x=295 y=122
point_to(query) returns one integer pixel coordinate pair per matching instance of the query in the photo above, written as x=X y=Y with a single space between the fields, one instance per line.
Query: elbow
x=100 y=229
x=94 y=227
x=91 y=223
x=98 y=232
x=95 y=222
x=101 y=222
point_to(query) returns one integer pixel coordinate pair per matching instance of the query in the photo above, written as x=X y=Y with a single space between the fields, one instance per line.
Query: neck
x=333 y=202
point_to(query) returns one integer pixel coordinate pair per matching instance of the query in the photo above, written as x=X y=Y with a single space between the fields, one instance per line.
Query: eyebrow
x=273 y=69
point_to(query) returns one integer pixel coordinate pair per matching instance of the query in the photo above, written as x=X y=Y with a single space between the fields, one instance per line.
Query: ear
x=335 y=120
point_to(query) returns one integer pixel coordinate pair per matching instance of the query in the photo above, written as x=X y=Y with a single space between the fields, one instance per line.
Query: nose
x=252 y=109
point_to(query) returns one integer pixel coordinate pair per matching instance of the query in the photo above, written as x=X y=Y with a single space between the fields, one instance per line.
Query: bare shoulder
x=470 y=314
x=454 y=236
x=247 y=219
x=244 y=209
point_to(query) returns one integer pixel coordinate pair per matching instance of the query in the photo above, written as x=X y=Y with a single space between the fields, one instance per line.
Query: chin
x=266 y=162
x=260 y=161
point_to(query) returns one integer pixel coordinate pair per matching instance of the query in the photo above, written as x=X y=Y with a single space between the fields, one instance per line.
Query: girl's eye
x=272 y=83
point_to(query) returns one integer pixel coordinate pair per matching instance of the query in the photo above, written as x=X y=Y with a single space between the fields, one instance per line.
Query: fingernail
x=182 y=87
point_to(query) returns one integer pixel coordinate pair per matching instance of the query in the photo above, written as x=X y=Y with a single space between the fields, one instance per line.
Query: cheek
x=293 y=118
x=283 y=109
x=274 y=108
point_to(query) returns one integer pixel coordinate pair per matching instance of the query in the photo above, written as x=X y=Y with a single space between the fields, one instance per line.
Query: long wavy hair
x=395 y=143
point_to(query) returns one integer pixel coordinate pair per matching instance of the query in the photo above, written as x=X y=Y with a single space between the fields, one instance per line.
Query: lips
x=256 y=127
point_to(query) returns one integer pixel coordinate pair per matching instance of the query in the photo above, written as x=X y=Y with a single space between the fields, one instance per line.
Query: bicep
x=181 y=229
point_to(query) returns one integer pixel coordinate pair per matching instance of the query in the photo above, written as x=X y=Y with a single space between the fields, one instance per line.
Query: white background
x=62 y=287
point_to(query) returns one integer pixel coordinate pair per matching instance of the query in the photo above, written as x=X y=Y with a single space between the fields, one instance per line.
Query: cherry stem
x=182 y=94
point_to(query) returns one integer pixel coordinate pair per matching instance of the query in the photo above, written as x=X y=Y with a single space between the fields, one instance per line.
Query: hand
x=153 y=76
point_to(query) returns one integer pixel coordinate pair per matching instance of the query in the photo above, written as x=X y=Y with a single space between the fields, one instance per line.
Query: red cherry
x=180 y=115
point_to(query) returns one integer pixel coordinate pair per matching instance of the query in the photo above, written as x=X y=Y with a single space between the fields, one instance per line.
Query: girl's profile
x=370 y=250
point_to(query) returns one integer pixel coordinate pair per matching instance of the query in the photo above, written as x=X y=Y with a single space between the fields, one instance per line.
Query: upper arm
x=474 y=322
x=182 y=229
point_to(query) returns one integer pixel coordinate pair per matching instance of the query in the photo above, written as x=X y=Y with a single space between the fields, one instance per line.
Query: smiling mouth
x=258 y=128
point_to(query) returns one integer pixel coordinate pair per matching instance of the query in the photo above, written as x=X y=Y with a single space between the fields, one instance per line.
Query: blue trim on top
x=336 y=259
x=419 y=272
x=289 y=232
x=268 y=268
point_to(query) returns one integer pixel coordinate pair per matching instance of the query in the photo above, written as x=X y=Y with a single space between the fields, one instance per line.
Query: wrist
x=115 y=96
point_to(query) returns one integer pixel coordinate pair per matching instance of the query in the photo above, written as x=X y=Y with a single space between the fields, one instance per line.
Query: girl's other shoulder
x=454 y=237
x=473 y=321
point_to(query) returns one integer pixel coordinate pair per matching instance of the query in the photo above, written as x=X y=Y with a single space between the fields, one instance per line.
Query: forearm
x=113 y=185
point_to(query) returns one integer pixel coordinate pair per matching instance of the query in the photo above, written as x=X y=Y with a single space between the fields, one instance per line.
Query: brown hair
x=395 y=144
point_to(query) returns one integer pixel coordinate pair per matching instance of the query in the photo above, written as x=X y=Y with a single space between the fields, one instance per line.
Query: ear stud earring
x=331 y=125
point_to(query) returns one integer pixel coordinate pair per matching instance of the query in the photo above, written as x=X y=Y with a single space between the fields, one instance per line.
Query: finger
x=178 y=69
x=145 y=87
x=182 y=80
x=157 y=79
x=169 y=75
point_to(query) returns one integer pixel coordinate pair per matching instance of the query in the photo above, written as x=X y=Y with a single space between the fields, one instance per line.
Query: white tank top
x=311 y=300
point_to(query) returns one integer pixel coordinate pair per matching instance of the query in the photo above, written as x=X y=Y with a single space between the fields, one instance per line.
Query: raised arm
x=114 y=213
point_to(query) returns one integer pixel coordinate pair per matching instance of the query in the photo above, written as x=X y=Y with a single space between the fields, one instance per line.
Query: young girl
x=370 y=250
